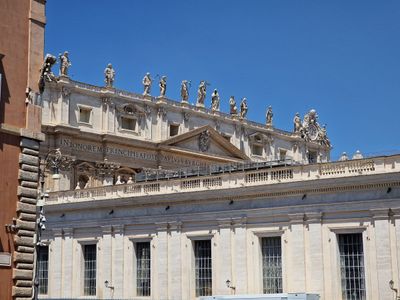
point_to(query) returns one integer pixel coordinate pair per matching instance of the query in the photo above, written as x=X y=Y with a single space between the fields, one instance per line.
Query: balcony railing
x=238 y=176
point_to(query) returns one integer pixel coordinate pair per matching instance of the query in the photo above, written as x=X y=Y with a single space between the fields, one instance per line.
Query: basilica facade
x=163 y=199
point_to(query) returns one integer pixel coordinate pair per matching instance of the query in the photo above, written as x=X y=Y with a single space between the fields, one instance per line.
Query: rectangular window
x=282 y=155
x=84 y=115
x=173 y=130
x=89 y=259
x=128 y=123
x=203 y=269
x=312 y=157
x=271 y=251
x=352 y=266
x=143 y=270
x=43 y=268
x=257 y=150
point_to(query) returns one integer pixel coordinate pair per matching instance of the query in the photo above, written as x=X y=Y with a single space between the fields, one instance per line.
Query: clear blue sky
x=340 y=57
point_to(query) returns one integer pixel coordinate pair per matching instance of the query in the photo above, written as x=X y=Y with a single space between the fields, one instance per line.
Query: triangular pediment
x=207 y=141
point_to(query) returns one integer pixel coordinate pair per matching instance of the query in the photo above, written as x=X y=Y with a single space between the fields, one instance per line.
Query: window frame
x=257 y=235
x=121 y=129
x=87 y=108
x=176 y=125
x=45 y=245
x=198 y=236
x=334 y=231
x=81 y=244
x=131 y=275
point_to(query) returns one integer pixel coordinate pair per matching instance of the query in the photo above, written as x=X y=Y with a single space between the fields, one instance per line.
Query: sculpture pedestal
x=147 y=97
x=161 y=99
x=200 y=105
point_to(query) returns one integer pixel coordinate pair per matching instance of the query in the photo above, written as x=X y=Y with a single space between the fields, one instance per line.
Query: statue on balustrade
x=243 y=108
x=185 y=90
x=64 y=63
x=233 y=107
x=109 y=75
x=201 y=94
x=215 y=101
x=269 y=116
x=297 y=123
x=163 y=86
x=147 y=84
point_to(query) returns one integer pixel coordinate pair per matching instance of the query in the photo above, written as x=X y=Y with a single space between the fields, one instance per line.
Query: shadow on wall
x=4 y=92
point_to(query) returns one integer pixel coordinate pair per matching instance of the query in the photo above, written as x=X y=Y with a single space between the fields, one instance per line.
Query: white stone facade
x=359 y=196
x=235 y=199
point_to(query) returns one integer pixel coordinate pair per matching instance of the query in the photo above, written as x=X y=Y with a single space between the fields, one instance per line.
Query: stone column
x=174 y=261
x=105 y=269
x=223 y=258
x=67 y=258
x=296 y=260
x=383 y=255
x=117 y=279
x=239 y=258
x=56 y=260
x=162 y=288
x=314 y=256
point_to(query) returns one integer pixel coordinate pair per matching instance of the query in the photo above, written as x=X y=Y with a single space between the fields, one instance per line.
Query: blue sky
x=340 y=57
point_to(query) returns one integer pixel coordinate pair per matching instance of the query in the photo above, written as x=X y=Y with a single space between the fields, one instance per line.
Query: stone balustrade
x=236 y=179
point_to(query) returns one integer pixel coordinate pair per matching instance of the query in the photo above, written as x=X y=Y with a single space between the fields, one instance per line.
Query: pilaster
x=239 y=257
x=383 y=255
x=174 y=261
x=67 y=263
x=162 y=291
x=296 y=259
x=117 y=278
x=56 y=259
x=224 y=257
x=105 y=270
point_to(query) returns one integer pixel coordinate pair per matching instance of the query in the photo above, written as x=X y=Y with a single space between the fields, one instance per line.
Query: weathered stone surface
x=28 y=200
x=27 y=192
x=27 y=217
x=27 y=283
x=26 y=208
x=26 y=249
x=23 y=257
x=26 y=225
x=25 y=266
x=29 y=184
x=31 y=144
x=23 y=298
x=23 y=240
x=26 y=233
x=28 y=159
x=22 y=274
x=28 y=176
x=21 y=291
x=30 y=168
x=30 y=151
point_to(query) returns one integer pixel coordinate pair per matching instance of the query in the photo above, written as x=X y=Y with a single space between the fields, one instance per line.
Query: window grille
x=43 y=269
x=203 y=269
x=352 y=266
x=143 y=271
x=89 y=257
x=271 y=250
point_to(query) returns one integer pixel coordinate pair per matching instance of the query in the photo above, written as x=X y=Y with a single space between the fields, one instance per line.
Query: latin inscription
x=128 y=153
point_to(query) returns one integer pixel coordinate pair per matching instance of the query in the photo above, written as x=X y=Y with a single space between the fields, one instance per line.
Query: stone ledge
x=28 y=176
x=26 y=208
x=30 y=151
x=26 y=249
x=29 y=184
x=21 y=291
x=22 y=274
x=28 y=159
x=27 y=192
x=24 y=266
x=26 y=225
x=24 y=240
x=30 y=168
x=27 y=217
x=28 y=200
x=23 y=257
x=26 y=283
x=26 y=233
